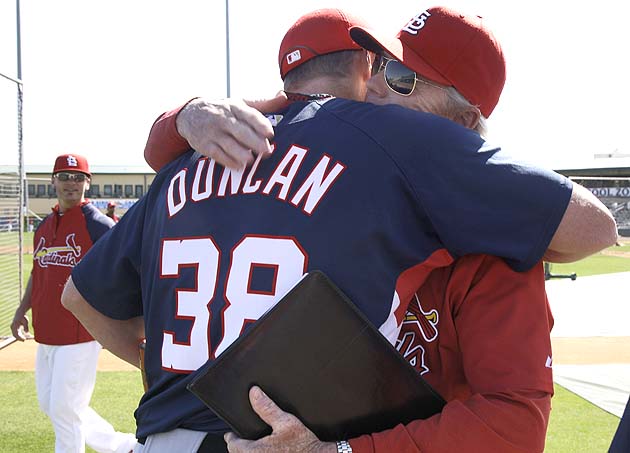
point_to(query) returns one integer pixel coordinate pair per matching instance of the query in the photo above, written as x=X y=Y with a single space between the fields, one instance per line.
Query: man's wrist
x=343 y=446
x=19 y=314
x=181 y=121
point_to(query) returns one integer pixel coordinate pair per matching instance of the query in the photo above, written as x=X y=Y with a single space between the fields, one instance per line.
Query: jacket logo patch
x=417 y=326
x=412 y=351
x=67 y=255
x=426 y=321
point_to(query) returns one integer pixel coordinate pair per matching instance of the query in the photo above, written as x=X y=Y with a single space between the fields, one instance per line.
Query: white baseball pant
x=65 y=377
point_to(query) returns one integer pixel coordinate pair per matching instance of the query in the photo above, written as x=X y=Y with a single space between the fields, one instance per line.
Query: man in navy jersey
x=621 y=441
x=349 y=188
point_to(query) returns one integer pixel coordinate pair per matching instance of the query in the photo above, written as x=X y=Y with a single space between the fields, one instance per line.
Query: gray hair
x=457 y=103
x=337 y=64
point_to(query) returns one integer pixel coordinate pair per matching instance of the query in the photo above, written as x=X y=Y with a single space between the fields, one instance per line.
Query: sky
x=97 y=73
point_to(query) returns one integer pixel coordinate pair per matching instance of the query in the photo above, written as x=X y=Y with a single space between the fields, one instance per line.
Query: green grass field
x=576 y=426
x=596 y=264
x=24 y=428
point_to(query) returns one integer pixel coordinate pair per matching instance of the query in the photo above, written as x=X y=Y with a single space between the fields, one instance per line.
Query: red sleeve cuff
x=164 y=143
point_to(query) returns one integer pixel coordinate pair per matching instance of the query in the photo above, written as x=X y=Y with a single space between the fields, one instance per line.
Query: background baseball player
x=65 y=365
x=111 y=211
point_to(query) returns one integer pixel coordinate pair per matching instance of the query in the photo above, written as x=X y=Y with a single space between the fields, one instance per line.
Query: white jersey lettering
x=234 y=177
x=248 y=187
x=285 y=171
x=196 y=193
x=206 y=182
x=317 y=184
x=179 y=180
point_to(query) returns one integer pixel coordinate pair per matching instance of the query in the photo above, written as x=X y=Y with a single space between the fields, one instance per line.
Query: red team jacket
x=478 y=332
x=59 y=243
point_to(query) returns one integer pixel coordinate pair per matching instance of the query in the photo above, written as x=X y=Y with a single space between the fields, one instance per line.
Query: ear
x=468 y=118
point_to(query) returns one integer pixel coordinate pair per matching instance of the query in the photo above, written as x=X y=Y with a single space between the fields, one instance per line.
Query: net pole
x=227 y=47
x=22 y=170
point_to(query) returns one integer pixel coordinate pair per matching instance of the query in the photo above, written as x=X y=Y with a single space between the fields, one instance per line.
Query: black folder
x=318 y=357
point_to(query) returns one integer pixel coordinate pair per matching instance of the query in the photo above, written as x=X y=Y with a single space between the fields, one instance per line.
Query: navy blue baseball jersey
x=621 y=440
x=376 y=197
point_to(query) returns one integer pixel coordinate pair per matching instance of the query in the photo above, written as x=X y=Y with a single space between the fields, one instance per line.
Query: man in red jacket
x=65 y=366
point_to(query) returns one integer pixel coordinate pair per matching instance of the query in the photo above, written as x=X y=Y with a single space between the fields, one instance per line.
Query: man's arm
x=120 y=337
x=165 y=144
x=232 y=132
x=586 y=228
x=19 y=325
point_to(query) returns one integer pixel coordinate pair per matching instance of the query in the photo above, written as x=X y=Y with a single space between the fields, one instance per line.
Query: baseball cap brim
x=73 y=170
x=376 y=42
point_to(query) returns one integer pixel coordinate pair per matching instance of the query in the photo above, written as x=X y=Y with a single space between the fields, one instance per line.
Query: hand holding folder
x=318 y=357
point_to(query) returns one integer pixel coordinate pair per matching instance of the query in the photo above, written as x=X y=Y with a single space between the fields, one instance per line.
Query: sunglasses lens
x=378 y=64
x=79 y=177
x=400 y=78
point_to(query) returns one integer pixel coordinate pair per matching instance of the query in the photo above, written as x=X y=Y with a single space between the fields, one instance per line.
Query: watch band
x=343 y=446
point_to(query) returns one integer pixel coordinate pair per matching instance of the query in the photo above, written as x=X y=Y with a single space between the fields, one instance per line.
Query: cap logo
x=72 y=161
x=416 y=23
x=294 y=56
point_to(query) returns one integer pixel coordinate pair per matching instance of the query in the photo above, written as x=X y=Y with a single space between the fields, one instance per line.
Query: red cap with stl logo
x=72 y=162
x=448 y=48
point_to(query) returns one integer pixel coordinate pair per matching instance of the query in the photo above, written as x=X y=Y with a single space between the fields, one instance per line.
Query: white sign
x=611 y=192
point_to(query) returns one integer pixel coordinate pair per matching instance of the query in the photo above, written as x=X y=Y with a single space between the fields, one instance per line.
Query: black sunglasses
x=398 y=77
x=63 y=176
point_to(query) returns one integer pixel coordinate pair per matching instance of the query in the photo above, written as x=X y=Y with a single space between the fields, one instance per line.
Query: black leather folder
x=318 y=357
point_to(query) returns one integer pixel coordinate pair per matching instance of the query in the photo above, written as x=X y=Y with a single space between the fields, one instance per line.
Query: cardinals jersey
x=59 y=243
x=376 y=197
x=478 y=332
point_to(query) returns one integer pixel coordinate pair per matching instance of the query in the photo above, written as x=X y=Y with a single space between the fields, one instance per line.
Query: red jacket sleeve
x=164 y=143
x=501 y=399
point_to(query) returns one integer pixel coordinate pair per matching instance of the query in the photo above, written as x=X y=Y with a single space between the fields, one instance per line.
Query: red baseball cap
x=319 y=32
x=449 y=48
x=71 y=162
x=111 y=204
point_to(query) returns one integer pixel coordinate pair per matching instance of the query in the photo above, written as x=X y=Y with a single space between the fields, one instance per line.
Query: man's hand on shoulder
x=228 y=131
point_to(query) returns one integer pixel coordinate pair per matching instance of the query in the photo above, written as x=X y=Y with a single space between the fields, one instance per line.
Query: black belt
x=212 y=443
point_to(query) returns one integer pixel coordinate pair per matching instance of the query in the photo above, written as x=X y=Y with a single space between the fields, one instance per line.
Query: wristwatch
x=343 y=446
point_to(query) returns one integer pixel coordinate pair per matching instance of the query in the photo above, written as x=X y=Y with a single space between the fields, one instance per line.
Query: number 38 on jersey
x=283 y=255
